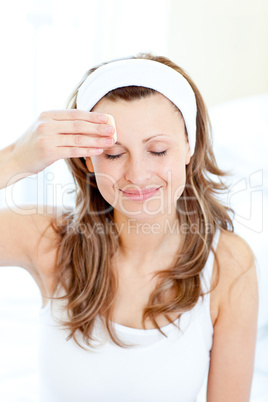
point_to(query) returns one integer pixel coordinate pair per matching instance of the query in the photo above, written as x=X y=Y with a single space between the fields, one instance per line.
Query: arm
x=235 y=330
x=9 y=173
x=54 y=135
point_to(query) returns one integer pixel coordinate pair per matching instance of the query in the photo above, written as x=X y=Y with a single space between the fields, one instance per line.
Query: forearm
x=9 y=171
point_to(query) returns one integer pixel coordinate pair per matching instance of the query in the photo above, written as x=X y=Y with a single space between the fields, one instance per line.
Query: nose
x=138 y=171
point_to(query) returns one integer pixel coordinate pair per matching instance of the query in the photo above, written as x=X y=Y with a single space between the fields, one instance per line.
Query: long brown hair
x=84 y=255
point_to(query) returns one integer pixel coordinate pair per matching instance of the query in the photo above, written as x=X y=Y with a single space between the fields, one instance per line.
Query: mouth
x=140 y=195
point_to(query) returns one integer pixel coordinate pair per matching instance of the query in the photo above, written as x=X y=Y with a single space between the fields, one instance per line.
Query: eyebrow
x=147 y=139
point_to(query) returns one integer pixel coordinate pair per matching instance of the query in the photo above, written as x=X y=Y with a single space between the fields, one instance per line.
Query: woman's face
x=150 y=154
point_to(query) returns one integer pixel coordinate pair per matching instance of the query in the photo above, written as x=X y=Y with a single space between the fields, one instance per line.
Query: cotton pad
x=112 y=123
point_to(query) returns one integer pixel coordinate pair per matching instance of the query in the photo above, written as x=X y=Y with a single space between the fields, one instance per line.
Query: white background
x=47 y=45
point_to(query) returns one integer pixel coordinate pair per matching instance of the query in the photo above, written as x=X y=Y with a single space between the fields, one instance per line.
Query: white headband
x=146 y=73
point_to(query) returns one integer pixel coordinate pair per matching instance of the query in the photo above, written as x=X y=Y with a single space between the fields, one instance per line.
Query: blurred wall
x=223 y=45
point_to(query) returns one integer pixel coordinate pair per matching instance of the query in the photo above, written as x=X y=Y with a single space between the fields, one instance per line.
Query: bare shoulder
x=28 y=240
x=44 y=252
x=237 y=270
x=234 y=253
x=46 y=242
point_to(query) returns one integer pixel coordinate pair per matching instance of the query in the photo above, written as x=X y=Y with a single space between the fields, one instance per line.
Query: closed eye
x=118 y=156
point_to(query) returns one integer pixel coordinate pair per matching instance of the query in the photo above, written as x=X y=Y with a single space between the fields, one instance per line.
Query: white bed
x=241 y=133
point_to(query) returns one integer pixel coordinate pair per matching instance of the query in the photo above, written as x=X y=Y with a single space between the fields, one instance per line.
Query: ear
x=188 y=155
x=89 y=165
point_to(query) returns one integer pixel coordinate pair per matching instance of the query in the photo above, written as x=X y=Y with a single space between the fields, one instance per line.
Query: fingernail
x=109 y=129
x=109 y=141
x=103 y=118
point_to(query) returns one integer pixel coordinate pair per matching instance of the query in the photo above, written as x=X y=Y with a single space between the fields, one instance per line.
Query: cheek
x=175 y=176
x=106 y=178
x=173 y=168
x=106 y=173
x=106 y=183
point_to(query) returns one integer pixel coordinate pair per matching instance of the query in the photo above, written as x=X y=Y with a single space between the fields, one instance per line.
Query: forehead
x=144 y=117
x=153 y=105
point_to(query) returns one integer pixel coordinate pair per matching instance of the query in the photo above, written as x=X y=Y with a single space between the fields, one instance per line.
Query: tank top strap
x=206 y=274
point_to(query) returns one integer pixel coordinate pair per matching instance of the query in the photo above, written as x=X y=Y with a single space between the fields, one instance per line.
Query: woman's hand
x=62 y=134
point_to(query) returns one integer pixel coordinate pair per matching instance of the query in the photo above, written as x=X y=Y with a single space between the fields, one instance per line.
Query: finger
x=72 y=152
x=82 y=141
x=75 y=114
x=83 y=127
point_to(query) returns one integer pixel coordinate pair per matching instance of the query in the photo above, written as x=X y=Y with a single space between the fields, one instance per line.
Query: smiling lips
x=140 y=195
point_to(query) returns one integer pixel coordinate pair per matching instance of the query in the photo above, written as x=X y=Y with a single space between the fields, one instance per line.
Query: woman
x=145 y=286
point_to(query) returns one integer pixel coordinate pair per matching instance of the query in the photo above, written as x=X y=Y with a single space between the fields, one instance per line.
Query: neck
x=144 y=240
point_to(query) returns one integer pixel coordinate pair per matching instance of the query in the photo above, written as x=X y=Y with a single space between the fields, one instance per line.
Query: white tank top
x=160 y=369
